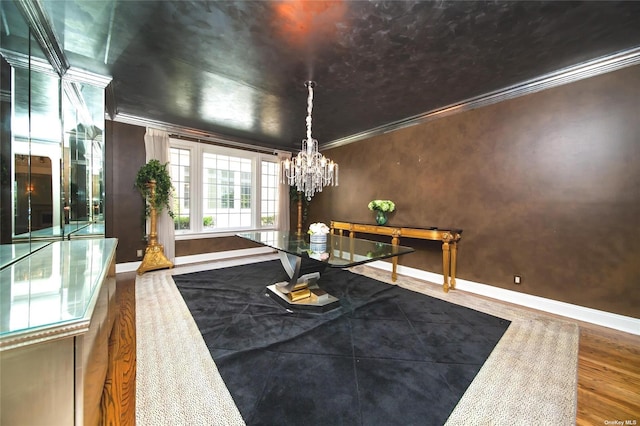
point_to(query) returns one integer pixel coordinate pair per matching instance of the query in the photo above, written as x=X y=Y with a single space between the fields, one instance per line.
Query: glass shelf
x=52 y=290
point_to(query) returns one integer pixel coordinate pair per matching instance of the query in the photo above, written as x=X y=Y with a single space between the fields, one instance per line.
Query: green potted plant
x=382 y=209
x=154 y=183
x=155 y=171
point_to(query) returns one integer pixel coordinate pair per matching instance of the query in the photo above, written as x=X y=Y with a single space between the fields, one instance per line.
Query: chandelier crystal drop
x=309 y=171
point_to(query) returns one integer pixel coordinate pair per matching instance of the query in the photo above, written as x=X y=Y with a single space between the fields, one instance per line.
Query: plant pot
x=381 y=217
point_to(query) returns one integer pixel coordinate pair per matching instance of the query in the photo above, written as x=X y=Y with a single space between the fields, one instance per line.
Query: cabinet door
x=37 y=384
x=92 y=350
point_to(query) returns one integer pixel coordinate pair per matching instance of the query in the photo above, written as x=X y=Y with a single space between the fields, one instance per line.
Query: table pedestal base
x=301 y=292
x=312 y=298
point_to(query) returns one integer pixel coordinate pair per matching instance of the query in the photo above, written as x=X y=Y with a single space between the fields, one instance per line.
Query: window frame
x=196 y=183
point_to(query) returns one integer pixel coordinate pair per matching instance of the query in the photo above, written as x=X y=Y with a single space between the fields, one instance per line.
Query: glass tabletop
x=338 y=251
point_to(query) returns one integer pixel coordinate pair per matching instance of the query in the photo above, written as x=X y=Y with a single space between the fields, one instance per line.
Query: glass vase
x=318 y=243
x=381 y=217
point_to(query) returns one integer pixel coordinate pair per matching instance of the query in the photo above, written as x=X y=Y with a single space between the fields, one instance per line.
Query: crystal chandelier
x=310 y=171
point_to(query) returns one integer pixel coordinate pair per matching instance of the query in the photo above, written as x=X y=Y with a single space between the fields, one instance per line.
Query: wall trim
x=592 y=68
x=567 y=75
x=581 y=313
x=197 y=135
x=199 y=258
x=22 y=60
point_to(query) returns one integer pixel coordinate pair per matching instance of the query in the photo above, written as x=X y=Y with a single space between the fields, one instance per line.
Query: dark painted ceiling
x=238 y=67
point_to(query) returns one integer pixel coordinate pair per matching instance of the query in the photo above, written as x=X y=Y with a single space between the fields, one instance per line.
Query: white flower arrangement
x=318 y=228
x=382 y=205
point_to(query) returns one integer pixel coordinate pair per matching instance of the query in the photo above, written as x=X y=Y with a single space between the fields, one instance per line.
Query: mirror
x=51 y=143
x=33 y=192
x=83 y=160
x=35 y=149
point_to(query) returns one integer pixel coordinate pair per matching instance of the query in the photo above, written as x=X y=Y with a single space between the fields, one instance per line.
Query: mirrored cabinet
x=51 y=141
x=57 y=271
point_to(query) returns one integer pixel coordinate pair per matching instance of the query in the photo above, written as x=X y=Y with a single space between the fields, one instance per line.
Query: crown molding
x=24 y=61
x=194 y=134
x=86 y=77
x=602 y=65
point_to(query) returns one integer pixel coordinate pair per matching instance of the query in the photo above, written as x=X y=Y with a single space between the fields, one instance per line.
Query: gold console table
x=449 y=238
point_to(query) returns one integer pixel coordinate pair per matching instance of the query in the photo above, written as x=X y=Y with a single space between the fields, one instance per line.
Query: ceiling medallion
x=310 y=171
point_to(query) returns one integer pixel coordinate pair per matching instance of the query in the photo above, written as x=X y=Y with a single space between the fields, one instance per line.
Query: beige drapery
x=283 y=220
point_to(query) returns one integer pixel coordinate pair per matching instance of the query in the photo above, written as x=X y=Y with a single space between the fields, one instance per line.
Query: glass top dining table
x=304 y=259
x=339 y=251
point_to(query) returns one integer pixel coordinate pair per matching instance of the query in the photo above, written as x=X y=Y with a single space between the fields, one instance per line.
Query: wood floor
x=608 y=377
x=608 y=370
x=119 y=395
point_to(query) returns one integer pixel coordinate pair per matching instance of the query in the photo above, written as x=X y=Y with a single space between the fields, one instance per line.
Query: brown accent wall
x=124 y=208
x=546 y=186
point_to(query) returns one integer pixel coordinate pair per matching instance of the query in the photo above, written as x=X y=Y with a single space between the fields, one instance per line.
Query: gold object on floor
x=154 y=257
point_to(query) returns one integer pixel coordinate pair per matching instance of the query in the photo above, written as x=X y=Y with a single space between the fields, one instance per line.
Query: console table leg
x=394 y=261
x=445 y=266
x=454 y=260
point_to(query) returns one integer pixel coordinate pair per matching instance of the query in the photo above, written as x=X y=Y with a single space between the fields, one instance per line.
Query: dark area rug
x=387 y=356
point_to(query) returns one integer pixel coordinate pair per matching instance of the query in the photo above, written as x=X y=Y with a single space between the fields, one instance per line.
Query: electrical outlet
x=517 y=279
x=139 y=253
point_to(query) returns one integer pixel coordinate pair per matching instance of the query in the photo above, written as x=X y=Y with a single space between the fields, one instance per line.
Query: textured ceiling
x=238 y=67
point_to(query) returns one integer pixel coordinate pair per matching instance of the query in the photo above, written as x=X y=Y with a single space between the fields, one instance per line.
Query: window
x=179 y=169
x=245 y=190
x=222 y=189
x=269 y=193
x=228 y=188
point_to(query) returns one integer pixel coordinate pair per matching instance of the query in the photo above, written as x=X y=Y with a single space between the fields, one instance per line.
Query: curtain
x=283 y=221
x=156 y=143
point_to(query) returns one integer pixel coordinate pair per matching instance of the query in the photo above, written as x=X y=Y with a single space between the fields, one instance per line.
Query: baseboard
x=199 y=258
x=581 y=313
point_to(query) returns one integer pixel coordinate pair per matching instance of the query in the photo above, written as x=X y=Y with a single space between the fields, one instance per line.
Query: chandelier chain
x=309 y=110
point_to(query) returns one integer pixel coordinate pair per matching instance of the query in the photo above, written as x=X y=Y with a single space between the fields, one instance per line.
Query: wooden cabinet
x=57 y=310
